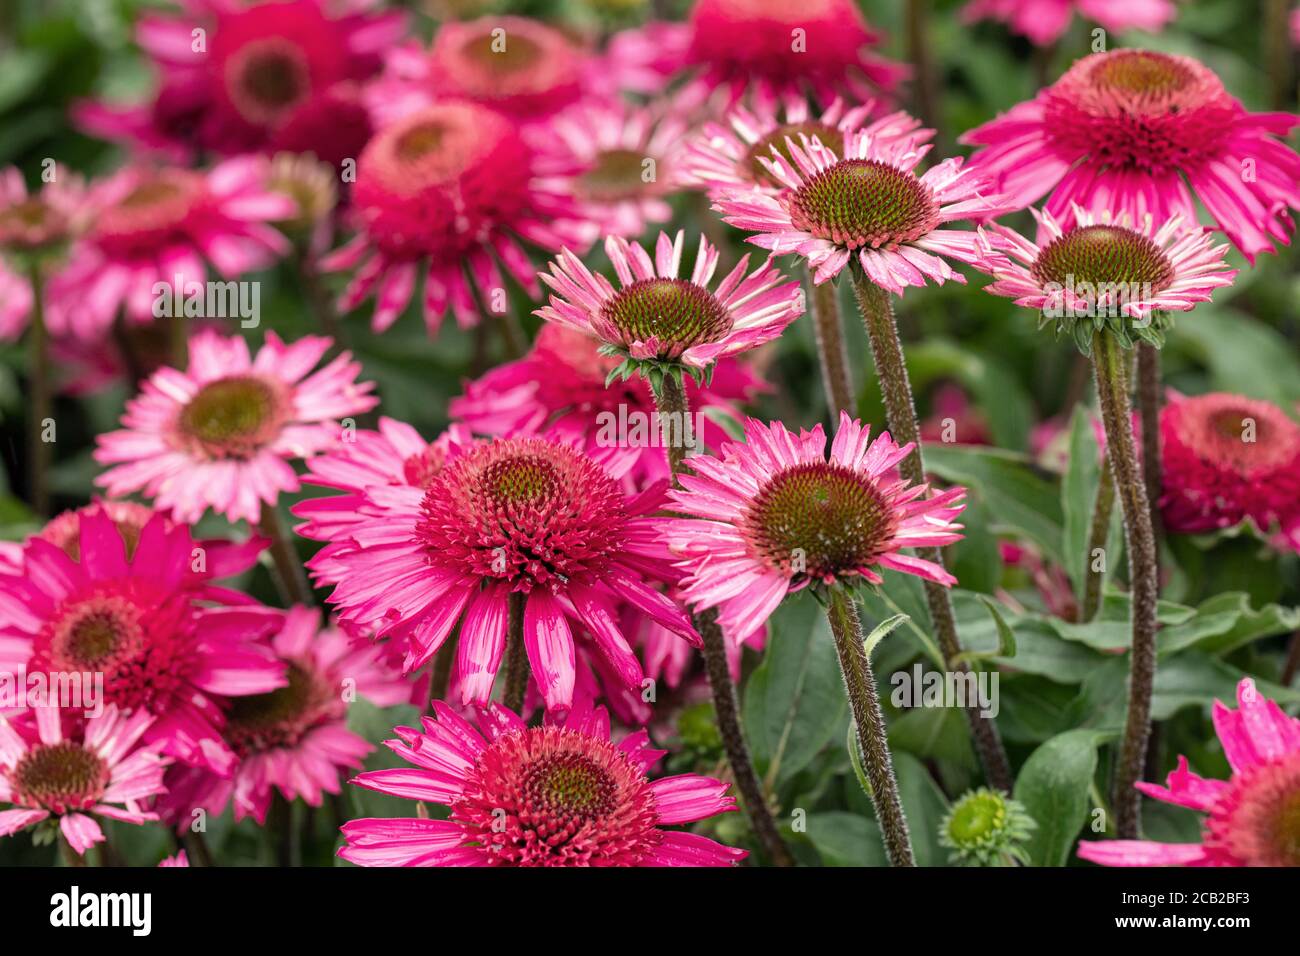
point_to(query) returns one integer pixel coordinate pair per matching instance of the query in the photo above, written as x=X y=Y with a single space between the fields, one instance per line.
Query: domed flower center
x=673 y=312
x=525 y=510
x=267 y=79
x=864 y=202
x=502 y=53
x=154 y=212
x=1141 y=72
x=978 y=818
x=819 y=519
x=828 y=136
x=260 y=722
x=1105 y=255
x=1251 y=438
x=616 y=174
x=30 y=224
x=547 y=796
x=96 y=634
x=59 y=777
x=1261 y=826
x=233 y=417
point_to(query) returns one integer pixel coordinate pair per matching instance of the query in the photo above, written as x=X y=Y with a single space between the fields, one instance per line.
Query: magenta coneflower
x=771 y=50
x=129 y=607
x=869 y=207
x=1227 y=458
x=293 y=739
x=444 y=194
x=518 y=527
x=103 y=770
x=560 y=386
x=774 y=515
x=221 y=434
x=34 y=229
x=1044 y=21
x=248 y=76
x=1251 y=817
x=726 y=157
x=149 y=226
x=656 y=317
x=1101 y=268
x=1143 y=132
x=563 y=794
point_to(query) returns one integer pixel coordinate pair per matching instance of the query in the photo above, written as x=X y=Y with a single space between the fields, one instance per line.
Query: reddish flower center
x=156 y=212
x=828 y=136
x=864 y=202
x=30 y=224
x=97 y=634
x=60 y=777
x=616 y=174
x=233 y=417
x=1261 y=823
x=502 y=53
x=1251 y=438
x=553 y=797
x=524 y=510
x=279 y=719
x=676 y=313
x=267 y=79
x=1104 y=255
x=819 y=519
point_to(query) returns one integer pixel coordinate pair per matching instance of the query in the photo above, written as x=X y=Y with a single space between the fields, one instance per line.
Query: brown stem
x=1098 y=532
x=671 y=401
x=1292 y=664
x=178 y=341
x=38 y=450
x=1148 y=400
x=199 y=853
x=1140 y=541
x=860 y=684
x=516 y=656
x=1277 y=35
x=828 y=328
x=289 y=575
x=891 y=368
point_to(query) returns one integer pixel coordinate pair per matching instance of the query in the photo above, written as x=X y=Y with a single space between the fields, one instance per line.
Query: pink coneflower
x=1142 y=132
x=1251 y=817
x=727 y=157
x=768 y=49
x=445 y=194
x=560 y=386
x=1044 y=21
x=1099 y=268
x=151 y=226
x=34 y=226
x=177 y=859
x=954 y=419
x=558 y=795
x=130 y=607
x=104 y=770
x=869 y=207
x=1227 y=458
x=241 y=76
x=628 y=157
x=293 y=739
x=517 y=521
x=657 y=317
x=220 y=435
x=774 y=515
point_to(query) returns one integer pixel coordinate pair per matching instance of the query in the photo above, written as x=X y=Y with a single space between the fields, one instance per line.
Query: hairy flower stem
x=670 y=399
x=289 y=576
x=1121 y=451
x=516 y=655
x=891 y=368
x=828 y=328
x=1094 y=575
x=38 y=451
x=1148 y=401
x=860 y=684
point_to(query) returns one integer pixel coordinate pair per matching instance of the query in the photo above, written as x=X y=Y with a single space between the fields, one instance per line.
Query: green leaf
x=846 y=839
x=881 y=631
x=924 y=805
x=376 y=725
x=1054 y=787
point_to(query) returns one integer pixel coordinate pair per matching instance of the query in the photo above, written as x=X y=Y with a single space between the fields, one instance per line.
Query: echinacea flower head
x=152 y=226
x=864 y=205
x=530 y=517
x=239 y=77
x=294 y=739
x=774 y=515
x=560 y=386
x=1108 y=273
x=657 y=319
x=986 y=828
x=445 y=194
x=570 y=796
x=1228 y=458
x=1044 y=21
x=35 y=223
x=1252 y=818
x=729 y=156
x=103 y=769
x=131 y=607
x=1140 y=132
x=312 y=187
x=221 y=434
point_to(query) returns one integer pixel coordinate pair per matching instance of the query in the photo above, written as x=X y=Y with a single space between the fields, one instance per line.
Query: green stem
x=828 y=328
x=1098 y=533
x=1140 y=540
x=289 y=575
x=517 y=670
x=39 y=456
x=860 y=684
x=900 y=410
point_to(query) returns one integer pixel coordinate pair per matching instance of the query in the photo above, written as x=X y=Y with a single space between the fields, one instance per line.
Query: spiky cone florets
x=986 y=828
